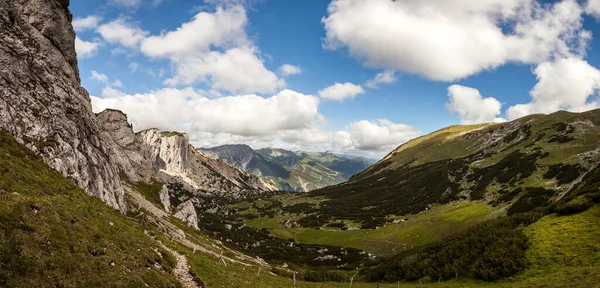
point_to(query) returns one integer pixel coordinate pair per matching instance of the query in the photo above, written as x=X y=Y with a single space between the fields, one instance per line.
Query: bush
x=325 y=276
x=488 y=251
x=576 y=205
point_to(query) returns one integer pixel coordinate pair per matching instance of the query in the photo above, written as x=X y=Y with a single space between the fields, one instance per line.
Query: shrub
x=488 y=251
x=576 y=205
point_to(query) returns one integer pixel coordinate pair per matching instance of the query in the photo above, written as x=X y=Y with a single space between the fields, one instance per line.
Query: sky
x=348 y=76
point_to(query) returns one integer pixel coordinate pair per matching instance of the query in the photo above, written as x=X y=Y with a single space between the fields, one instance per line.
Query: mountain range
x=86 y=201
x=291 y=170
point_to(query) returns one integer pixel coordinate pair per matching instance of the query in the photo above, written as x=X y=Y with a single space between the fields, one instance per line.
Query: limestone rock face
x=166 y=151
x=186 y=212
x=165 y=198
x=41 y=100
x=171 y=156
x=124 y=146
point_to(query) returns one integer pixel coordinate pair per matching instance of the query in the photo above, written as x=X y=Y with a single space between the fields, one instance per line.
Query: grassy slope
x=70 y=241
x=422 y=228
x=564 y=252
x=52 y=234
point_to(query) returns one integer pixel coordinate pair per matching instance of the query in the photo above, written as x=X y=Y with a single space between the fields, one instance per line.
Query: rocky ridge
x=43 y=105
x=42 y=102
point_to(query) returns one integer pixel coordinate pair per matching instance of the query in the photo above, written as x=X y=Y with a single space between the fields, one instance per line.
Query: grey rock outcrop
x=42 y=102
x=186 y=212
x=165 y=198
x=172 y=157
x=125 y=149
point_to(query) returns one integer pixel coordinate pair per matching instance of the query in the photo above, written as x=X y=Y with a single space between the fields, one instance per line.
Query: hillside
x=291 y=171
x=519 y=166
x=87 y=202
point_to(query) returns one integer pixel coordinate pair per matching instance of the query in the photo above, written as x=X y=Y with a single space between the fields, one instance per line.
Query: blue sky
x=223 y=84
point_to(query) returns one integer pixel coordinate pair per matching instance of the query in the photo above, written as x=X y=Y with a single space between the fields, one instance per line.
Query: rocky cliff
x=169 y=157
x=41 y=100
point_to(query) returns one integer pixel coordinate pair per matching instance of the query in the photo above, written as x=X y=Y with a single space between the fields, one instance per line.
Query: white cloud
x=109 y=92
x=224 y=28
x=449 y=40
x=236 y=70
x=87 y=23
x=339 y=91
x=472 y=107
x=126 y=3
x=289 y=69
x=288 y=119
x=382 y=135
x=133 y=66
x=214 y=48
x=123 y=32
x=568 y=84
x=86 y=49
x=188 y=110
x=593 y=8
x=101 y=77
x=386 y=77
x=117 y=83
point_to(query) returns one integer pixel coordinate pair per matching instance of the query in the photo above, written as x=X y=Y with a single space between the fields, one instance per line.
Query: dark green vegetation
x=488 y=251
x=53 y=235
x=291 y=171
x=223 y=222
x=537 y=165
x=526 y=164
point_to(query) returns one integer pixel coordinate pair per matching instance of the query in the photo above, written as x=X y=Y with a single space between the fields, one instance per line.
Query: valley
x=299 y=171
x=89 y=200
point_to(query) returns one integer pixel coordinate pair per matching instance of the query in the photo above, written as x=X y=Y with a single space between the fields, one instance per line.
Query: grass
x=420 y=229
x=150 y=191
x=53 y=235
x=171 y=134
x=563 y=245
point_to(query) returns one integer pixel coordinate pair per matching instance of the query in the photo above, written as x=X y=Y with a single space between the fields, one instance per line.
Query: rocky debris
x=42 y=102
x=186 y=212
x=182 y=270
x=290 y=224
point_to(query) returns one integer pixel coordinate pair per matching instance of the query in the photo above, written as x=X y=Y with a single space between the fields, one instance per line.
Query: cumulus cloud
x=86 y=49
x=569 y=84
x=289 y=69
x=382 y=135
x=449 y=40
x=593 y=8
x=236 y=70
x=188 y=110
x=223 y=28
x=214 y=48
x=288 y=119
x=472 y=108
x=339 y=91
x=87 y=23
x=122 y=32
x=386 y=77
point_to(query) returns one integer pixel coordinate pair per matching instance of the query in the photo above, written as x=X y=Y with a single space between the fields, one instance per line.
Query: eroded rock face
x=186 y=212
x=170 y=153
x=165 y=198
x=167 y=151
x=41 y=100
x=124 y=146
